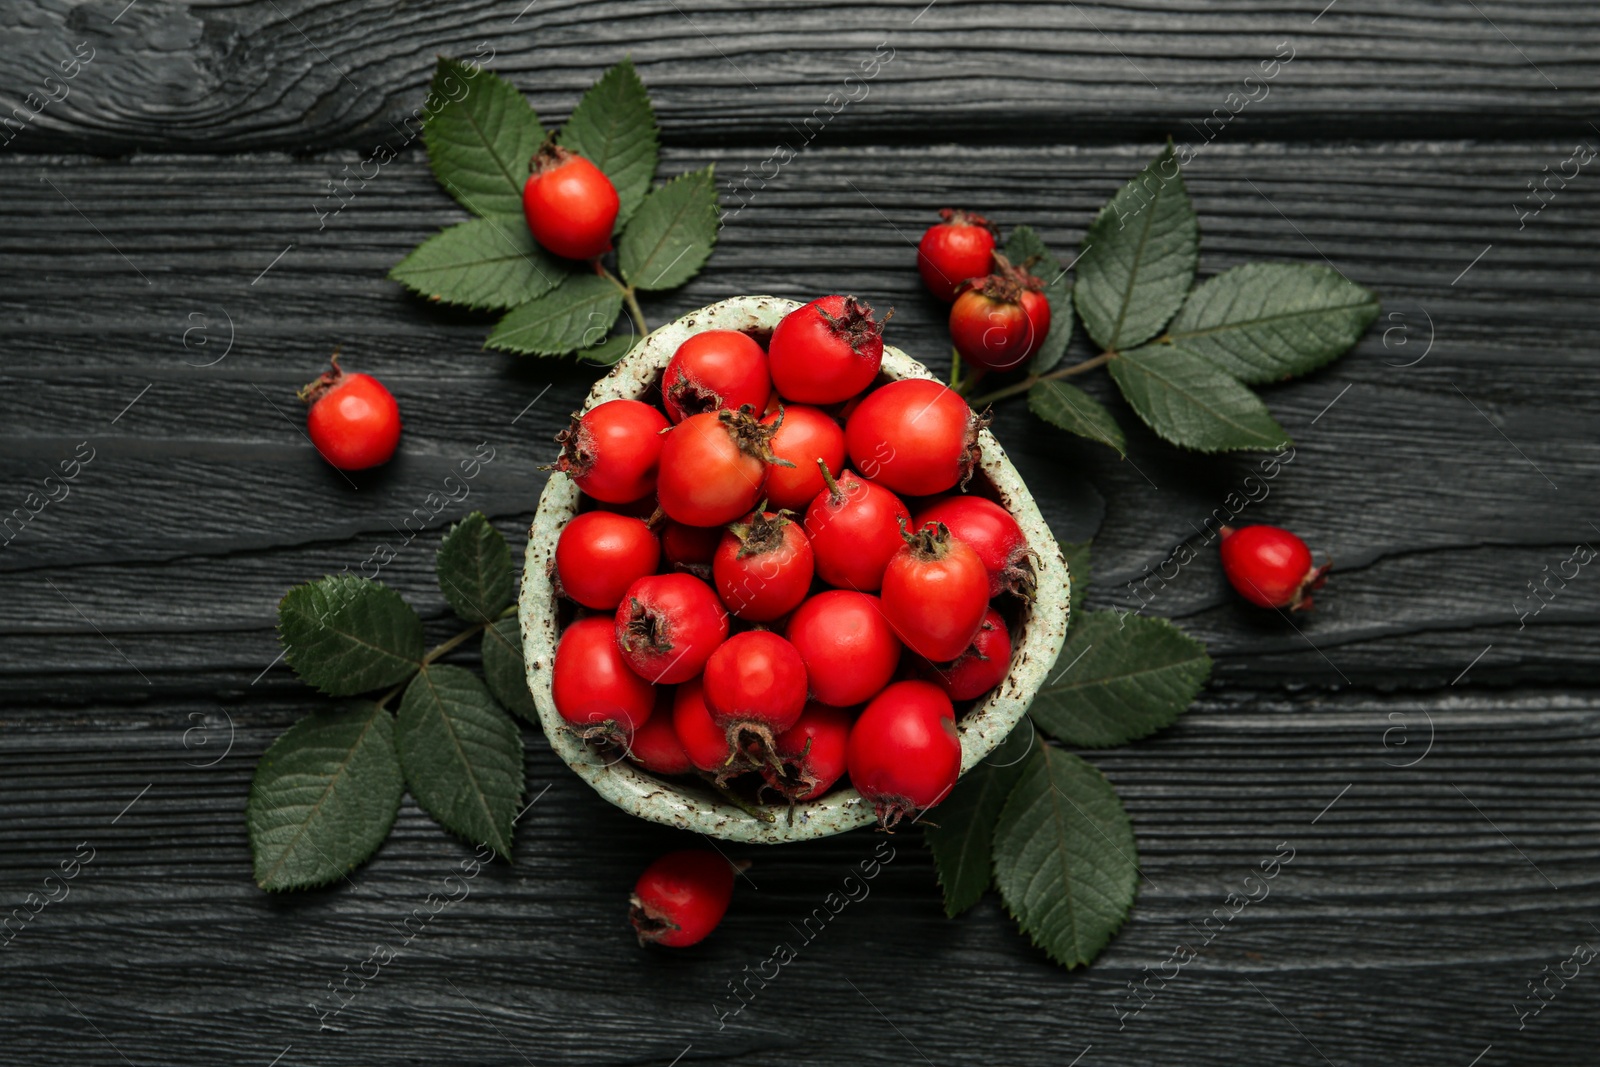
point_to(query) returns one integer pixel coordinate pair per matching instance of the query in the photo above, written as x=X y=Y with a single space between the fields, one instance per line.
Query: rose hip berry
x=1037 y=307
x=690 y=548
x=904 y=754
x=680 y=898
x=991 y=327
x=353 y=421
x=810 y=753
x=570 y=205
x=950 y=252
x=935 y=594
x=854 y=528
x=763 y=567
x=755 y=687
x=806 y=435
x=714 y=370
x=593 y=689
x=914 y=436
x=600 y=554
x=613 y=450
x=704 y=741
x=827 y=351
x=655 y=745
x=668 y=625
x=1271 y=567
x=713 y=466
x=849 y=649
x=990 y=531
x=981 y=667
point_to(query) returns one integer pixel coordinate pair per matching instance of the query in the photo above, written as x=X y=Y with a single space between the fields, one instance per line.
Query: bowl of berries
x=783 y=583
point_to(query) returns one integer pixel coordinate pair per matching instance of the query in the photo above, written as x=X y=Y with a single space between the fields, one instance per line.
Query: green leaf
x=1119 y=677
x=1077 y=412
x=481 y=135
x=963 y=840
x=1263 y=322
x=474 y=567
x=348 y=635
x=614 y=127
x=1077 y=557
x=1138 y=257
x=481 y=263
x=324 y=797
x=1189 y=402
x=610 y=350
x=1064 y=857
x=504 y=670
x=671 y=237
x=1023 y=245
x=461 y=754
x=576 y=314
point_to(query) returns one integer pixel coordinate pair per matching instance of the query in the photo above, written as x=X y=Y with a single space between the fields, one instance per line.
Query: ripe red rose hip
x=690 y=548
x=705 y=743
x=810 y=753
x=613 y=450
x=655 y=745
x=680 y=898
x=593 y=689
x=981 y=667
x=806 y=435
x=570 y=205
x=992 y=328
x=849 y=649
x=1271 y=567
x=990 y=531
x=1037 y=307
x=353 y=421
x=854 y=528
x=763 y=567
x=755 y=687
x=600 y=554
x=668 y=625
x=713 y=467
x=714 y=370
x=915 y=437
x=935 y=594
x=827 y=351
x=950 y=252
x=904 y=754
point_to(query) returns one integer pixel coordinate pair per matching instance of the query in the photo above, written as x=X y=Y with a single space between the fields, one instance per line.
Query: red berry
x=716 y=370
x=915 y=437
x=600 y=554
x=854 y=528
x=680 y=898
x=593 y=688
x=904 y=754
x=755 y=686
x=1271 y=567
x=712 y=467
x=668 y=625
x=950 y=252
x=935 y=594
x=655 y=745
x=849 y=649
x=990 y=531
x=570 y=205
x=690 y=548
x=613 y=450
x=1037 y=307
x=990 y=325
x=704 y=741
x=827 y=351
x=353 y=421
x=981 y=667
x=810 y=753
x=805 y=436
x=763 y=567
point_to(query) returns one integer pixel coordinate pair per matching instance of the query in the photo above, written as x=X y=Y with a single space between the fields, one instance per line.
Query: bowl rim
x=1036 y=643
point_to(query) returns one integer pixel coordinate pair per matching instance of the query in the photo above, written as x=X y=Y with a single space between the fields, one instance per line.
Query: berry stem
x=443 y=649
x=630 y=299
x=1033 y=379
x=955 y=370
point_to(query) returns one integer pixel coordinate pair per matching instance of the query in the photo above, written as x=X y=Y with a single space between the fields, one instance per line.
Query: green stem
x=444 y=649
x=630 y=299
x=955 y=368
x=1034 y=379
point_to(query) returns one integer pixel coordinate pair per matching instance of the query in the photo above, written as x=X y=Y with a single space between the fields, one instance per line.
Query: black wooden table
x=1425 y=744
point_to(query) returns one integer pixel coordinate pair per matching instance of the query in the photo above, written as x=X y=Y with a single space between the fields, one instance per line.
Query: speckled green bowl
x=686 y=804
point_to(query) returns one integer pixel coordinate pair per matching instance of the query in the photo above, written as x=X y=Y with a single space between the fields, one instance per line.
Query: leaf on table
x=1076 y=554
x=324 y=797
x=1264 y=322
x=348 y=635
x=670 y=238
x=1064 y=856
x=1071 y=409
x=481 y=135
x=474 y=569
x=481 y=263
x=1189 y=402
x=614 y=127
x=609 y=351
x=1023 y=245
x=576 y=314
x=1138 y=258
x=962 y=840
x=504 y=670
x=1119 y=677
x=462 y=755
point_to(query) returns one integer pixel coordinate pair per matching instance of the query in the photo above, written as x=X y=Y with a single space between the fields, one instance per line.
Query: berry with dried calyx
x=680 y=898
x=1271 y=567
